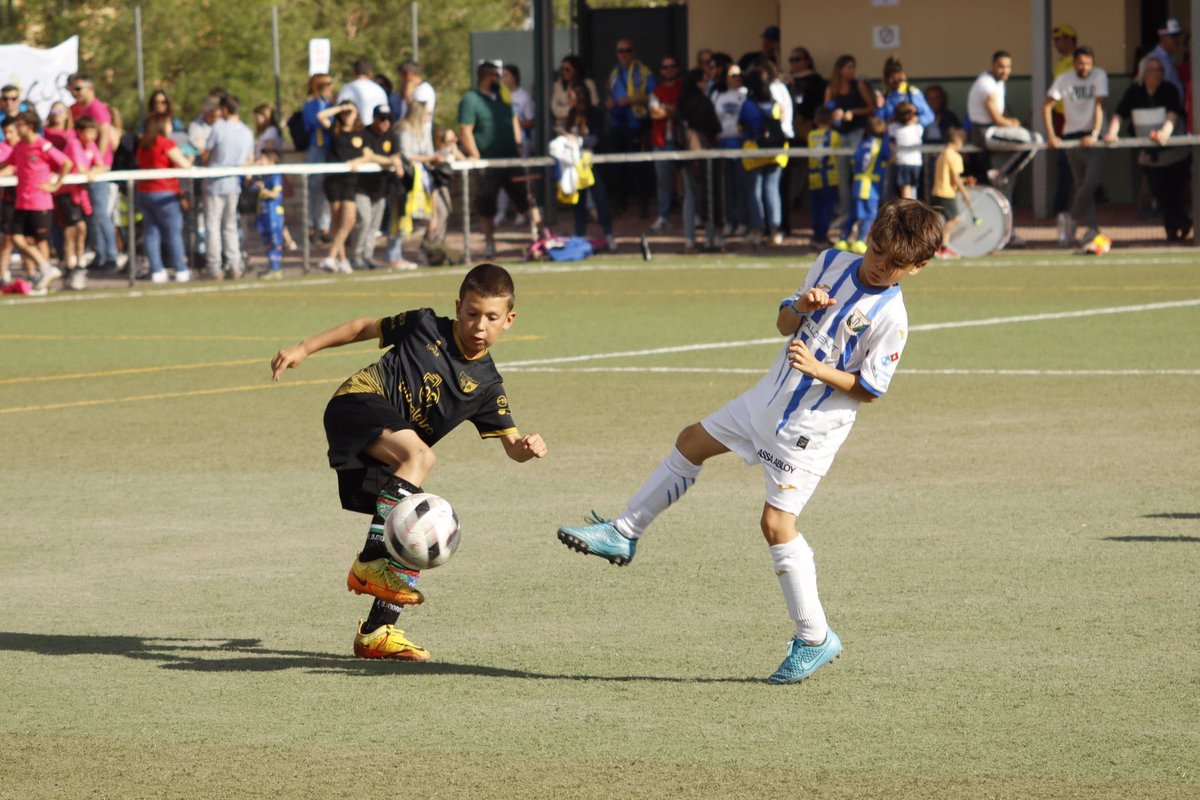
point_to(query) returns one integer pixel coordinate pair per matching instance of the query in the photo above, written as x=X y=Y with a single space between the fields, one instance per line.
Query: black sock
x=381 y=614
x=392 y=493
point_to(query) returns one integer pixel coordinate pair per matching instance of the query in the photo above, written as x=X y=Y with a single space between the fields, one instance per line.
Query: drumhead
x=994 y=228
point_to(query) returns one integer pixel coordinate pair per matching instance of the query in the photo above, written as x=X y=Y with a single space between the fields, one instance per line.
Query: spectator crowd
x=765 y=99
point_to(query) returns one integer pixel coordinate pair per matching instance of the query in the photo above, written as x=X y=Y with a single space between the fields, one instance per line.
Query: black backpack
x=296 y=129
x=771 y=136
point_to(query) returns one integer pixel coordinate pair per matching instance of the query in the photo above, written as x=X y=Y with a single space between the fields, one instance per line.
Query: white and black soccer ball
x=421 y=532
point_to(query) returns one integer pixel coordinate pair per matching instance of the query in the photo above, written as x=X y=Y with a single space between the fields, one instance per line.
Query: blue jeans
x=764 y=191
x=664 y=183
x=163 y=218
x=100 y=227
x=596 y=192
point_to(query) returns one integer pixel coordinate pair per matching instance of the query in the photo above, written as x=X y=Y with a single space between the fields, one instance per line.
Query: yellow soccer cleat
x=380 y=579
x=387 y=641
x=841 y=244
x=859 y=247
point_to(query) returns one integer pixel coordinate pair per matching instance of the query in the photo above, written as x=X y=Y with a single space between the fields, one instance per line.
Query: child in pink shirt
x=72 y=204
x=8 y=199
x=34 y=160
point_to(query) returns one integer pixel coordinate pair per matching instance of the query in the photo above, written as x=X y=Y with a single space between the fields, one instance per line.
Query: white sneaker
x=88 y=257
x=122 y=260
x=182 y=276
x=344 y=267
x=329 y=265
x=159 y=277
x=777 y=238
x=78 y=280
x=48 y=274
x=660 y=224
x=498 y=220
x=740 y=230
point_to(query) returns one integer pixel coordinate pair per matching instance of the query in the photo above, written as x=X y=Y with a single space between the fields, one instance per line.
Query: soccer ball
x=421 y=532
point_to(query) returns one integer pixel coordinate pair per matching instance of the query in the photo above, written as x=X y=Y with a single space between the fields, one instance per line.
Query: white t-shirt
x=985 y=86
x=781 y=95
x=1079 y=96
x=522 y=106
x=728 y=105
x=863 y=333
x=367 y=95
x=909 y=135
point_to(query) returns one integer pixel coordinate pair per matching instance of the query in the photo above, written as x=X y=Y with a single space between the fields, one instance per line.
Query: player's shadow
x=1180 y=515
x=247 y=655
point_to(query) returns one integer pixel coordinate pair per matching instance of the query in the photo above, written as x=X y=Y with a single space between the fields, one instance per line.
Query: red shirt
x=34 y=164
x=155 y=157
x=668 y=95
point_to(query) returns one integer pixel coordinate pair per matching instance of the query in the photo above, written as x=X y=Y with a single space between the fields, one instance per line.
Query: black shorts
x=66 y=211
x=949 y=206
x=33 y=225
x=352 y=423
x=8 y=208
x=490 y=184
x=340 y=187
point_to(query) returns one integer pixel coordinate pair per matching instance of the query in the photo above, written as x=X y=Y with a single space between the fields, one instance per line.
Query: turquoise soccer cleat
x=599 y=538
x=804 y=659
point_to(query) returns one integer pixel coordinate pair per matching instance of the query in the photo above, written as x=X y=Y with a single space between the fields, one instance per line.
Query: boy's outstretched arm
x=356 y=330
x=522 y=448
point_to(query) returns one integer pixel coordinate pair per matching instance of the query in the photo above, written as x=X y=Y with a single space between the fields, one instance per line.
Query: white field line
x=933 y=326
x=317 y=278
x=1069 y=373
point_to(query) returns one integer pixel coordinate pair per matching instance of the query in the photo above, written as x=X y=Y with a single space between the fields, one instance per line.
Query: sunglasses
x=10 y=98
x=76 y=89
x=735 y=74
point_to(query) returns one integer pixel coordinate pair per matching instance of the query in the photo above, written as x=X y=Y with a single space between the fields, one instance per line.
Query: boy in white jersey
x=846 y=328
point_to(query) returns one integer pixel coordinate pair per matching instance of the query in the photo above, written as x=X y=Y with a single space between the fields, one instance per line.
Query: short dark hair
x=999 y=54
x=30 y=118
x=955 y=134
x=907 y=232
x=489 y=280
x=876 y=126
x=1084 y=50
x=362 y=66
x=85 y=123
x=483 y=67
x=515 y=71
x=229 y=104
x=8 y=122
x=8 y=87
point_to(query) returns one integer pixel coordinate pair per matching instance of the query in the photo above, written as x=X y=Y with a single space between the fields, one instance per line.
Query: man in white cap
x=1170 y=40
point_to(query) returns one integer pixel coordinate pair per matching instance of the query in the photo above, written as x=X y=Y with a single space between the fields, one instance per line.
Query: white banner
x=41 y=75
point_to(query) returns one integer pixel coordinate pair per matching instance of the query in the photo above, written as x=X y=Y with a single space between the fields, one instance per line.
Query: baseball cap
x=382 y=112
x=1064 y=30
x=1172 y=28
x=772 y=33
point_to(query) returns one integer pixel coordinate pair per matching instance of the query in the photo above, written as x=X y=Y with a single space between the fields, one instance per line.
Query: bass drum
x=993 y=230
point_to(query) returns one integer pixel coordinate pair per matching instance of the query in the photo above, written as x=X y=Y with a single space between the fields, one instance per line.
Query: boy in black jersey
x=383 y=421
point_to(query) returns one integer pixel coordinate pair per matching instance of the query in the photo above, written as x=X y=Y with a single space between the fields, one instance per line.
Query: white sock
x=665 y=486
x=797 y=573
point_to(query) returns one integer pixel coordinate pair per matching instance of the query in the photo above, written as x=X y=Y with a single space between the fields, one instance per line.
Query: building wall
x=938 y=38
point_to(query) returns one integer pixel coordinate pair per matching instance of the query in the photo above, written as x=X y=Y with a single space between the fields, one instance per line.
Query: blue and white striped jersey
x=864 y=333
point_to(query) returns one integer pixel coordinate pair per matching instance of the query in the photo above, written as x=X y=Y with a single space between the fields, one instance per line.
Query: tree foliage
x=192 y=46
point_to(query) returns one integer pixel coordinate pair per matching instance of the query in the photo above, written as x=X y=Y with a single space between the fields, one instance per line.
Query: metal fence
x=465 y=169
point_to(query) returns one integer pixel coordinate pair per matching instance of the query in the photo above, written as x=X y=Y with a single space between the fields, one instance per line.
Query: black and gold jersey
x=426 y=377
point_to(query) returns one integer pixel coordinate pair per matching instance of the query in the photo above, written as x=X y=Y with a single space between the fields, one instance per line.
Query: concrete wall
x=938 y=38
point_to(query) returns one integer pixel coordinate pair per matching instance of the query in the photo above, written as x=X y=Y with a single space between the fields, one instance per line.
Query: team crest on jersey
x=857 y=322
x=502 y=405
x=356 y=141
x=435 y=348
x=466 y=384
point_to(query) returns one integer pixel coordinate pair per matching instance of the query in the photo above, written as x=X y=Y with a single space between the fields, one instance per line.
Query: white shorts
x=788 y=486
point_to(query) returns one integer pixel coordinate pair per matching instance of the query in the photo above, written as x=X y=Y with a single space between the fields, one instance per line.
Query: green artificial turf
x=1008 y=545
